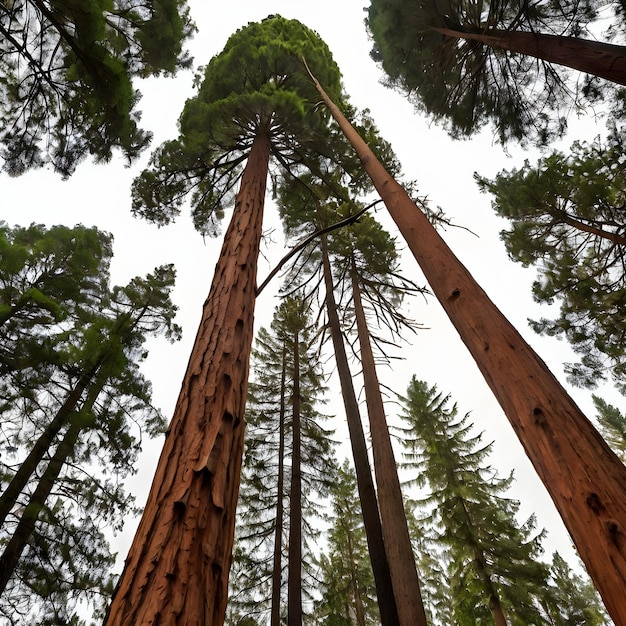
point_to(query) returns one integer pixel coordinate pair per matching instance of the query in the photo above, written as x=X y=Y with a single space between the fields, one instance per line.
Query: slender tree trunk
x=20 y=479
x=294 y=583
x=359 y=610
x=278 y=534
x=592 y=57
x=365 y=484
x=404 y=578
x=584 y=477
x=495 y=605
x=176 y=572
x=26 y=525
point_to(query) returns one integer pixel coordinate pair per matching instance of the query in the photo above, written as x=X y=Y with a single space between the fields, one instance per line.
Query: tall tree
x=75 y=438
x=566 y=219
x=555 y=433
x=493 y=561
x=283 y=402
x=347 y=582
x=254 y=101
x=452 y=59
x=612 y=425
x=66 y=71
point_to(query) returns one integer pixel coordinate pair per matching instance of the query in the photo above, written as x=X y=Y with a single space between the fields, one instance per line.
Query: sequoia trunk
x=406 y=587
x=584 y=477
x=176 y=572
x=592 y=57
x=365 y=484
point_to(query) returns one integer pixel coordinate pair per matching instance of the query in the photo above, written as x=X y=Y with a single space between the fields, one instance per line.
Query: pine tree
x=495 y=576
x=612 y=424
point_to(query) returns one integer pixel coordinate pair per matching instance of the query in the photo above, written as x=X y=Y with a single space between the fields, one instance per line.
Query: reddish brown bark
x=406 y=586
x=176 y=572
x=365 y=483
x=584 y=477
x=592 y=57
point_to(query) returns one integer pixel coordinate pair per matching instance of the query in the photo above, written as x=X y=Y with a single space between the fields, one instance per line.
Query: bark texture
x=176 y=572
x=592 y=57
x=365 y=483
x=404 y=578
x=584 y=477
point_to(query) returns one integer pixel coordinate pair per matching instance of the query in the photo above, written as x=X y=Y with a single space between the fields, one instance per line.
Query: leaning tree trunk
x=294 y=581
x=592 y=57
x=584 y=477
x=365 y=484
x=404 y=578
x=176 y=572
x=280 y=511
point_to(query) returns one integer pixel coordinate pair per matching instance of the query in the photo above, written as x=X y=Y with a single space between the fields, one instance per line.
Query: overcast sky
x=99 y=195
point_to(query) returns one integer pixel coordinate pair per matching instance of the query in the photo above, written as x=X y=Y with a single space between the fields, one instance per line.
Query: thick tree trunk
x=294 y=582
x=584 y=477
x=365 y=484
x=592 y=57
x=404 y=578
x=278 y=532
x=176 y=572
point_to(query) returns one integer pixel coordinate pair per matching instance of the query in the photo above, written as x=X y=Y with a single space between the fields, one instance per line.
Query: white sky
x=100 y=195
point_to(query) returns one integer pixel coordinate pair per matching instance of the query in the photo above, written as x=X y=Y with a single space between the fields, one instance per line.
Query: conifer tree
x=612 y=424
x=282 y=479
x=495 y=576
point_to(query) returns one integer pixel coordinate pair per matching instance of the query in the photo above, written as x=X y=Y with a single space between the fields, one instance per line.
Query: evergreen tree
x=254 y=101
x=347 y=582
x=454 y=60
x=495 y=576
x=73 y=432
x=276 y=511
x=65 y=76
x=552 y=429
x=566 y=216
x=612 y=425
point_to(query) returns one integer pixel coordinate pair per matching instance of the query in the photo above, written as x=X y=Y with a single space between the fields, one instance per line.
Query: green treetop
x=68 y=92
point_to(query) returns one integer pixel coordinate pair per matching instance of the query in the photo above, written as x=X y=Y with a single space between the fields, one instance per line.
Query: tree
x=283 y=433
x=347 y=582
x=612 y=425
x=75 y=432
x=493 y=561
x=254 y=101
x=566 y=219
x=553 y=430
x=452 y=59
x=65 y=76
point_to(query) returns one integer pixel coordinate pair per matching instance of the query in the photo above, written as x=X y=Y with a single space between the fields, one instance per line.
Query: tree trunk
x=294 y=583
x=176 y=572
x=278 y=534
x=592 y=57
x=365 y=484
x=359 y=610
x=27 y=468
x=404 y=578
x=584 y=477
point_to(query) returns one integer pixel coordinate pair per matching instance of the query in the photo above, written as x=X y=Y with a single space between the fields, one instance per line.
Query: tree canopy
x=466 y=84
x=66 y=70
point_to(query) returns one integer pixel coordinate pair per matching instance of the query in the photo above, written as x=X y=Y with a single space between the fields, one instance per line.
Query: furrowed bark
x=365 y=484
x=584 y=477
x=404 y=578
x=592 y=57
x=176 y=572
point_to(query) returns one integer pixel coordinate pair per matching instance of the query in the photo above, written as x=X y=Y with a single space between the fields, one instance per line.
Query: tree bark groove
x=176 y=572
x=584 y=477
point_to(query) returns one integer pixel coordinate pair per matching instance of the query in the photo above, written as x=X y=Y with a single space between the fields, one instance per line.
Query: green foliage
x=68 y=92
x=612 y=425
x=347 y=581
x=490 y=556
x=566 y=215
x=257 y=84
x=268 y=442
x=77 y=338
x=465 y=84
